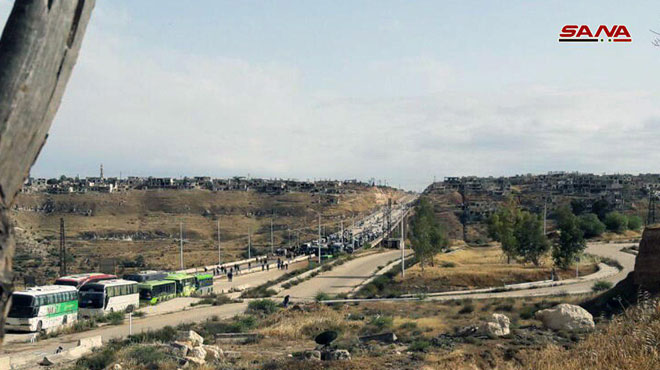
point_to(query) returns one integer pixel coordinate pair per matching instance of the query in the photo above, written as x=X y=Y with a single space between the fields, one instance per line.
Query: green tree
x=532 y=244
x=426 y=234
x=634 y=222
x=501 y=226
x=571 y=238
x=591 y=226
x=616 y=222
x=601 y=207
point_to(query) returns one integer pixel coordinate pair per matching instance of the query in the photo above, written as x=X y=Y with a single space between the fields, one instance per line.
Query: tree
x=579 y=206
x=591 y=226
x=571 y=239
x=501 y=226
x=38 y=49
x=616 y=222
x=532 y=243
x=634 y=222
x=601 y=207
x=426 y=234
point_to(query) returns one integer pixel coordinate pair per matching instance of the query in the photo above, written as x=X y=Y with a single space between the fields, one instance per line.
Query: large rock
x=566 y=317
x=496 y=325
x=198 y=352
x=180 y=349
x=647 y=273
x=339 y=355
x=213 y=353
x=190 y=336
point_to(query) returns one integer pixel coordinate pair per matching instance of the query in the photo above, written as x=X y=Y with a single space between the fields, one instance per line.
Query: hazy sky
x=396 y=90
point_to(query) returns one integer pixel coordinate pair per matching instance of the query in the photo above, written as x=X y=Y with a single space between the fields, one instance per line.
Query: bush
x=262 y=306
x=448 y=264
x=601 y=285
x=382 y=322
x=320 y=296
x=468 y=308
x=419 y=346
x=98 y=360
x=148 y=356
x=113 y=318
x=634 y=222
x=591 y=226
x=616 y=222
x=166 y=334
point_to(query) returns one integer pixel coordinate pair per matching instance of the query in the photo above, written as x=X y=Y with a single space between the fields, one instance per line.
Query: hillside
x=125 y=225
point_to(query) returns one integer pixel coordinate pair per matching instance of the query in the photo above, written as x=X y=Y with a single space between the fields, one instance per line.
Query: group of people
x=236 y=269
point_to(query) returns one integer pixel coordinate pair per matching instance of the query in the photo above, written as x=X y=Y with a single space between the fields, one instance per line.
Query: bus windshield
x=22 y=306
x=145 y=294
x=91 y=299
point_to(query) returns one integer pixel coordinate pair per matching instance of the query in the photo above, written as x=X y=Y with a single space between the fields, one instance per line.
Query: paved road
x=343 y=278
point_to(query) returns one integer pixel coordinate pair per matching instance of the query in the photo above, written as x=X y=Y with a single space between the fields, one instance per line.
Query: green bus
x=185 y=284
x=204 y=284
x=42 y=308
x=154 y=291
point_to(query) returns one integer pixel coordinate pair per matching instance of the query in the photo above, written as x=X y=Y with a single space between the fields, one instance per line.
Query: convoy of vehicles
x=94 y=294
x=97 y=299
x=43 y=307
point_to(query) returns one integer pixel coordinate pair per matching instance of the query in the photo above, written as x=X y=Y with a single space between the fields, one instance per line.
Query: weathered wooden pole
x=38 y=49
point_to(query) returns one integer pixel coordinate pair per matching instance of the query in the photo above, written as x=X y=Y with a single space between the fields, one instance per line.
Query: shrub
x=262 y=306
x=419 y=346
x=616 y=222
x=591 y=226
x=448 y=264
x=634 y=222
x=382 y=322
x=601 y=285
x=320 y=296
x=468 y=308
x=166 y=334
x=148 y=356
x=98 y=360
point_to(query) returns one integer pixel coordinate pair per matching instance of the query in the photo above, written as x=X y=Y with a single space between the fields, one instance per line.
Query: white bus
x=41 y=308
x=108 y=296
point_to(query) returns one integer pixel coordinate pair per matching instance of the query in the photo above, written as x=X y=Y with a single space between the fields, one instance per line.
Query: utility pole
x=62 y=248
x=319 y=238
x=353 y=232
x=545 y=214
x=403 y=248
x=219 y=259
x=249 y=243
x=181 y=243
x=271 y=236
x=650 y=216
x=342 y=232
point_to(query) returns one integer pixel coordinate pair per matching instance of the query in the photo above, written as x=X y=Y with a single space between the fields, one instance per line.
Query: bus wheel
x=65 y=319
x=40 y=326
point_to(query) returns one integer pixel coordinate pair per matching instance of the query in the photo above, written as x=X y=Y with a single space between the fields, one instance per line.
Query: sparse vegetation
x=601 y=285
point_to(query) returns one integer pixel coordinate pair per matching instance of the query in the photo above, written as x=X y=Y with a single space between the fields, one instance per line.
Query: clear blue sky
x=396 y=90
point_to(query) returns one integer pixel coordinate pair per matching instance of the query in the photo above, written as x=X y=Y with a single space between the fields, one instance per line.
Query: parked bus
x=204 y=284
x=79 y=280
x=95 y=299
x=154 y=291
x=185 y=284
x=42 y=308
x=143 y=276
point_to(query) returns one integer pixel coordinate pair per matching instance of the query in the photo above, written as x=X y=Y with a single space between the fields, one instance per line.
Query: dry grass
x=293 y=325
x=480 y=267
x=630 y=341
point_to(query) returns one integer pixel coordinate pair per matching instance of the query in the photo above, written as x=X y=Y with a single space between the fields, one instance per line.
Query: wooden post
x=38 y=49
